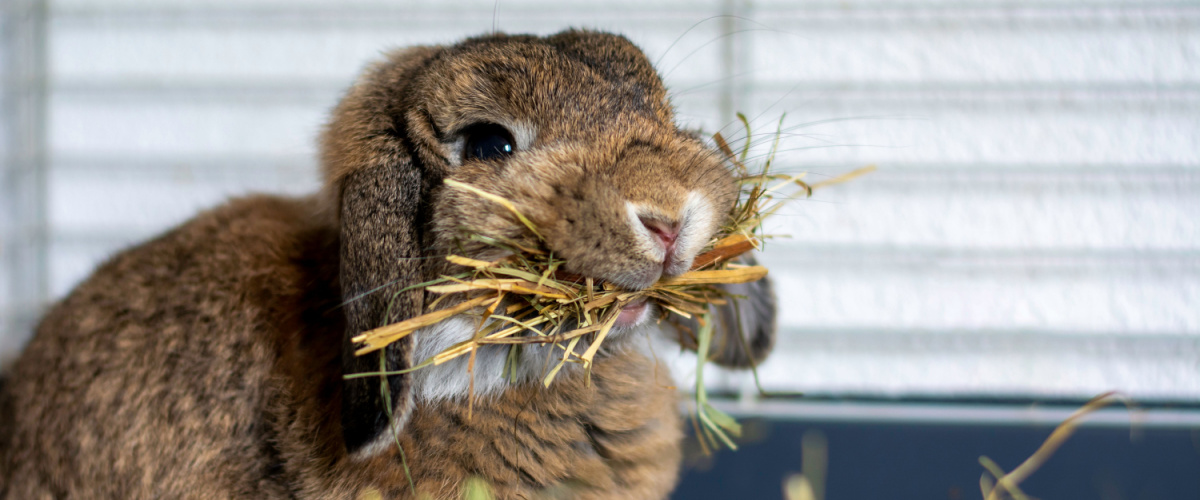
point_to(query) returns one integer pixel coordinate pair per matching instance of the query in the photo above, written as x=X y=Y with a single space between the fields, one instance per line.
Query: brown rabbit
x=209 y=362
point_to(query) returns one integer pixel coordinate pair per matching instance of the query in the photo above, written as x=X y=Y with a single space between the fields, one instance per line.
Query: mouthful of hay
x=524 y=298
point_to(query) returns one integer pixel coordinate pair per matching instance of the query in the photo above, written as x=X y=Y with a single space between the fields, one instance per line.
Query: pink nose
x=664 y=232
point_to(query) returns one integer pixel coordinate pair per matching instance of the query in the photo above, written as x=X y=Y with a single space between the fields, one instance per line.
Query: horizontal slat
x=959 y=6
x=292 y=7
x=1137 y=300
x=83 y=127
x=921 y=364
x=967 y=364
x=964 y=54
x=925 y=260
x=999 y=210
x=191 y=8
x=102 y=201
x=997 y=413
x=1135 y=46
x=1082 y=129
x=940 y=15
x=313 y=92
x=86 y=51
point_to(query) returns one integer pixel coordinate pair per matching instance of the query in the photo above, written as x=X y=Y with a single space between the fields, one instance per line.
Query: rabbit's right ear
x=744 y=327
x=377 y=185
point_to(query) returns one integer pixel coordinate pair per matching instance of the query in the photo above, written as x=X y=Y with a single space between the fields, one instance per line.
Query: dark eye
x=487 y=141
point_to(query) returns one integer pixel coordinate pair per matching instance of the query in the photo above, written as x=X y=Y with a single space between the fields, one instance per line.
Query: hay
x=525 y=299
x=995 y=484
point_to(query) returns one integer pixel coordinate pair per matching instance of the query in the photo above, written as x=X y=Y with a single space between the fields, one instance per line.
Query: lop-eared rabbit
x=210 y=361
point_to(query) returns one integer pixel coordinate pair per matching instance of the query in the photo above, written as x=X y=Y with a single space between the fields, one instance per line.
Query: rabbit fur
x=209 y=362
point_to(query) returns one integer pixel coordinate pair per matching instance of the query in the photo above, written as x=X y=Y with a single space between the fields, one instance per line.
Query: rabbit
x=210 y=362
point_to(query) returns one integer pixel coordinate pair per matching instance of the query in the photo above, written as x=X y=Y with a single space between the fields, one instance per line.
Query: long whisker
x=710 y=42
x=697 y=25
x=495 y=13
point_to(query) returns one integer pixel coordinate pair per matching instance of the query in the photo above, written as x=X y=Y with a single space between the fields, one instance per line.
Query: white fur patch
x=523 y=133
x=696 y=224
x=385 y=439
x=645 y=242
x=451 y=380
x=382 y=442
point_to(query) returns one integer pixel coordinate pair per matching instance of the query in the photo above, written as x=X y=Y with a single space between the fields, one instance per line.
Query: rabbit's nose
x=665 y=233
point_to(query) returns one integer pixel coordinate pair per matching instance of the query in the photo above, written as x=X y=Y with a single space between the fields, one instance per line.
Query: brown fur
x=208 y=363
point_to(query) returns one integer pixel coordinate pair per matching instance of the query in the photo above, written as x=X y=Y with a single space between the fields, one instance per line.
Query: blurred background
x=1030 y=240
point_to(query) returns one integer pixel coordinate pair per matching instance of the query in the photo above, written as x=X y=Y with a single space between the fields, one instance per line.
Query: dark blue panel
x=922 y=461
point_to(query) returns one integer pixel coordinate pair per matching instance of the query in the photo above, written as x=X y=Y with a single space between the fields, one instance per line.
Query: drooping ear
x=377 y=185
x=744 y=329
x=379 y=257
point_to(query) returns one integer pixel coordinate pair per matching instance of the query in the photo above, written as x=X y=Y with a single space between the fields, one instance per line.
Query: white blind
x=1033 y=229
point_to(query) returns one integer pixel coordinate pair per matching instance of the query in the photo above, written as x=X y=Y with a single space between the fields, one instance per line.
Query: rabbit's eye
x=487 y=141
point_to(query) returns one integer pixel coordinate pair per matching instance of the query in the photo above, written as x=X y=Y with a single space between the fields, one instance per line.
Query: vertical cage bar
x=26 y=243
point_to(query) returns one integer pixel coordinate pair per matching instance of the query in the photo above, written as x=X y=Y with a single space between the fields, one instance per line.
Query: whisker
x=713 y=82
x=495 y=13
x=697 y=25
x=710 y=42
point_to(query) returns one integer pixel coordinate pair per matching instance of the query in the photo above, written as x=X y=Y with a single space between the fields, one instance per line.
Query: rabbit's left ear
x=378 y=188
x=379 y=257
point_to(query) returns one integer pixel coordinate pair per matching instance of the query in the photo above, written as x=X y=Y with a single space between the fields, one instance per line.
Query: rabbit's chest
x=617 y=437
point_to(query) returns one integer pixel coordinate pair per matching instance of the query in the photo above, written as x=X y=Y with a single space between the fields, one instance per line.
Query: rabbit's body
x=235 y=393
x=210 y=362
x=151 y=380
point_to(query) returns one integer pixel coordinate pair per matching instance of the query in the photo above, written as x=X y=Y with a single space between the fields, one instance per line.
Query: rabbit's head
x=574 y=129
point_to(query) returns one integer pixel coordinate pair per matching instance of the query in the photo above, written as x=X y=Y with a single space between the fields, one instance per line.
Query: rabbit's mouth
x=634 y=313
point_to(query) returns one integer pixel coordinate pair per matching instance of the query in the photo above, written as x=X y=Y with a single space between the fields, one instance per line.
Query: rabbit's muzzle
x=629 y=221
